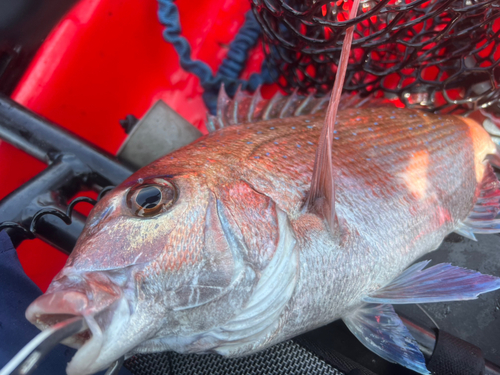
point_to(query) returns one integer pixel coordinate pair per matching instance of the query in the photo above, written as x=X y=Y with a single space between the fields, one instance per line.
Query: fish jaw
x=116 y=323
x=74 y=293
x=121 y=334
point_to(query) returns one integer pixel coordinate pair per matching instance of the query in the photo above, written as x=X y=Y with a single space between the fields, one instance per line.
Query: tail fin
x=483 y=217
x=491 y=124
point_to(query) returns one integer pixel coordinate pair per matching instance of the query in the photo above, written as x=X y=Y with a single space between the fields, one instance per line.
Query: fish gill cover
x=436 y=55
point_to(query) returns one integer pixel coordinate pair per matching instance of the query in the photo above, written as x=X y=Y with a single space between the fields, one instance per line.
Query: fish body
x=224 y=256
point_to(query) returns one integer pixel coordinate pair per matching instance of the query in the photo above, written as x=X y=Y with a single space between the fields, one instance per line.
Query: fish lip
x=61 y=302
x=52 y=308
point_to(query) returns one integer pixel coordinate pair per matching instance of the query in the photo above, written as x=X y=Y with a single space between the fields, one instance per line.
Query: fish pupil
x=149 y=197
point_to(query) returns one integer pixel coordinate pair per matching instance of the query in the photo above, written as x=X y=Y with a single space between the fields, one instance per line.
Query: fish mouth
x=50 y=309
x=95 y=350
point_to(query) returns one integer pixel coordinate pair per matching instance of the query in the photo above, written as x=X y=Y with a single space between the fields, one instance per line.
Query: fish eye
x=151 y=197
x=148 y=197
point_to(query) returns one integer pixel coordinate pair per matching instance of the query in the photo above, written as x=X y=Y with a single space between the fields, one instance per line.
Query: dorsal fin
x=219 y=121
x=246 y=109
x=322 y=192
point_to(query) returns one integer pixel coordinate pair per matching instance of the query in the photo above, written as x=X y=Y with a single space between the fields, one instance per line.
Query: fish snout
x=91 y=296
x=53 y=308
x=104 y=302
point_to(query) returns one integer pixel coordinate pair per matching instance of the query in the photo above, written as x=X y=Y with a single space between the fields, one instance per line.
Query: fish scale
x=351 y=160
x=263 y=137
x=277 y=147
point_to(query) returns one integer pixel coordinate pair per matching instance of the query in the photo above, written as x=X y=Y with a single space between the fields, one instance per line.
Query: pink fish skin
x=225 y=257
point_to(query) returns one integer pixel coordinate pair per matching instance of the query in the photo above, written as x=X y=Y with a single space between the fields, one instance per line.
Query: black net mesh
x=441 y=55
x=287 y=358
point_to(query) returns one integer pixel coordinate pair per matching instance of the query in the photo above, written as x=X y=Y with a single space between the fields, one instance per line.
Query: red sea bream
x=213 y=247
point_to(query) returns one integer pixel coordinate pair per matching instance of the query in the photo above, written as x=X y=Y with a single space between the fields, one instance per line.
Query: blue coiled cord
x=231 y=67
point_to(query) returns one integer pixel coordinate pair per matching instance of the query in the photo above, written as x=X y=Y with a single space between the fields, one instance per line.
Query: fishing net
x=440 y=55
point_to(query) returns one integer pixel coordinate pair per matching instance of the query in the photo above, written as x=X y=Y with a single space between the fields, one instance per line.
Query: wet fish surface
x=213 y=249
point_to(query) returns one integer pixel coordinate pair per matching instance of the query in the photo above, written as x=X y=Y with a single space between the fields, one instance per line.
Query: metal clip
x=29 y=357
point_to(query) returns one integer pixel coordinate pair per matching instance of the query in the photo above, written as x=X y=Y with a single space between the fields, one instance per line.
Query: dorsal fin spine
x=236 y=102
x=322 y=190
x=274 y=100
x=320 y=105
x=222 y=103
x=288 y=103
x=210 y=122
x=304 y=104
x=256 y=98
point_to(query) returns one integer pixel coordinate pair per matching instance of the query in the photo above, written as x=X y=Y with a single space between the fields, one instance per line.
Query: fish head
x=159 y=264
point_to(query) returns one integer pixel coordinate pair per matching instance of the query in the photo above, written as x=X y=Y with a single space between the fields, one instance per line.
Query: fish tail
x=483 y=217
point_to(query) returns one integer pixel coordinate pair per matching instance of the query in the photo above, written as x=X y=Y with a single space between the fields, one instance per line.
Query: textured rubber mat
x=287 y=358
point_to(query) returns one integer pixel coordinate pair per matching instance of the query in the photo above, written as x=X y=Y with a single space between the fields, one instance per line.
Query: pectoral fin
x=440 y=283
x=379 y=328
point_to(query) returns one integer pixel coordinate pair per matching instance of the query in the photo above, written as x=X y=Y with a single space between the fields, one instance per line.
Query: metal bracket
x=158 y=133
